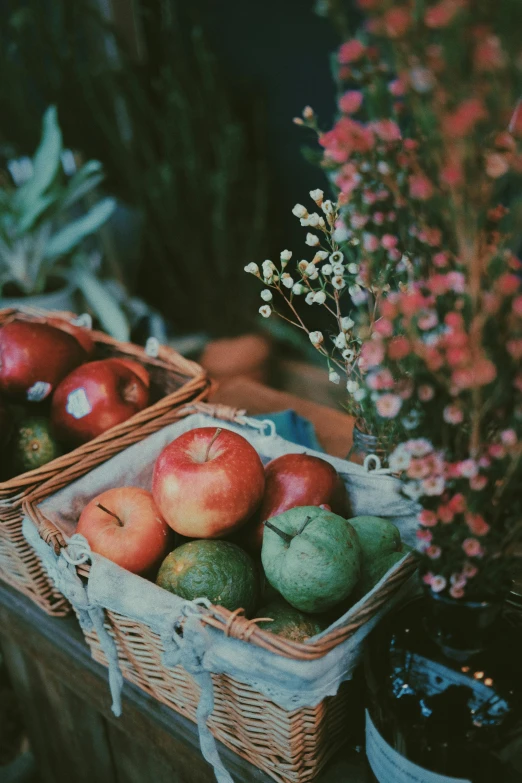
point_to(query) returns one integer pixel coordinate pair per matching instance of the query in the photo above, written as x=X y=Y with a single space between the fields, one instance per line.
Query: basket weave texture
x=291 y=746
x=175 y=381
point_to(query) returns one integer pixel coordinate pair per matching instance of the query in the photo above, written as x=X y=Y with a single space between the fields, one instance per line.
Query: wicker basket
x=290 y=746
x=174 y=382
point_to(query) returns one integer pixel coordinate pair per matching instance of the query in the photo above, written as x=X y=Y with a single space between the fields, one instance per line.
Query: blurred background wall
x=189 y=107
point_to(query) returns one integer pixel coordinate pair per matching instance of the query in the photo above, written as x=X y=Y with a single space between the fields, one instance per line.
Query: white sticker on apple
x=78 y=404
x=39 y=391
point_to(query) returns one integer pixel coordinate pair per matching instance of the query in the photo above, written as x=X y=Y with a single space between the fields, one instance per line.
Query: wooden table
x=64 y=694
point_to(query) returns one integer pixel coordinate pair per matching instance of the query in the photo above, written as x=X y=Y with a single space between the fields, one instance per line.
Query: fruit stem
x=285 y=536
x=112 y=514
x=216 y=434
x=307 y=520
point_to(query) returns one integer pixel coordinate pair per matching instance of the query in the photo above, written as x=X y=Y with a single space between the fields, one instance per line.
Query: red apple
x=208 y=482
x=295 y=480
x=82 y=334
x=136 y=367
x=35 y=357
x=125 y=526
x=94 y=398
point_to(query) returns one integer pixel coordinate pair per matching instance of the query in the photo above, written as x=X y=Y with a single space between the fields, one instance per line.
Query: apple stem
x=112 y=514
x=216 y=434
x=285 y=536
x=307 y=520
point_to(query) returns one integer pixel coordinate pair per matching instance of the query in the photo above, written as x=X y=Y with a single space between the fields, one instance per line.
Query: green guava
x=288 y=621
x=380 y=545
x=312 y=557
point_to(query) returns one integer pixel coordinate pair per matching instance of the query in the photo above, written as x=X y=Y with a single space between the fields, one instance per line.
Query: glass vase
x=444 y=691
x=366 y=449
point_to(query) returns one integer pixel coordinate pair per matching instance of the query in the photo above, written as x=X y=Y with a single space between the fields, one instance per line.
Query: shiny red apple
x=208 y=482
x=136 y=367
x=95 y=397
x=295 y=480
x=125 y=526
x=35 y=357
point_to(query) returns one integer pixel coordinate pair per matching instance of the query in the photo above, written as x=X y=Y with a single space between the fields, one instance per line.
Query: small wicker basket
x=174 y=382
x=291 y=746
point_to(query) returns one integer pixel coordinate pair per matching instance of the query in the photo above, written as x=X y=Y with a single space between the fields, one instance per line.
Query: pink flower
x=428 y=518
x=384 y=327
x=478 y=483
x=433 y=485
x=456 y=282
x=441 y=14
x=438 y=583
x=469 y=570
x=468 y=468
x=420 y=187
x=456 y=591
x=508 y=284
x=427 y=320
x=386 y=130
x=452 y=174
x=514 y=347
x=351 y=101
x=348 y=178
x=419 y=447
x=370 y=243
x=383 y=379
x=489 y=55
x=372 y=353
x=351 y=51
x=434 y=552
x=472 y=547
x=426 y=392
x=496 y=165
x=388 y=241
x=445 y=514
x=497 y=451
x=399 y=348
x=509 y=437
x=440 y=259
x=517 y=306
x=477 y=524
x=397 y=21
x=463 y=120
x=424 y=536
x=358 y=221
x=397 y=87
x=388 y=405
x=481 y=373
x=427 y=578
x=378 y=218
x=452 y=414
x=418 y=469
x=457 y=504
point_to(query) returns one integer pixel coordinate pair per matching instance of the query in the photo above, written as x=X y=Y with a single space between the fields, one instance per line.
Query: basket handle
x=47 y=530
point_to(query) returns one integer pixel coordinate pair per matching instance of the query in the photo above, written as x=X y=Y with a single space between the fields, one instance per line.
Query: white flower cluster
x=328 y=279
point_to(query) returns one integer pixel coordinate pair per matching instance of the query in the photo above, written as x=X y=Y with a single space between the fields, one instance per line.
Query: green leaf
x=46 y=162
x=103 y=304
x=88 y=177
x=71 y=235
x=29 y=218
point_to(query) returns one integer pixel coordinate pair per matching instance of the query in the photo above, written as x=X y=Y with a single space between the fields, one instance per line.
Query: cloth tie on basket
x=62 y=570
x=203 y=650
